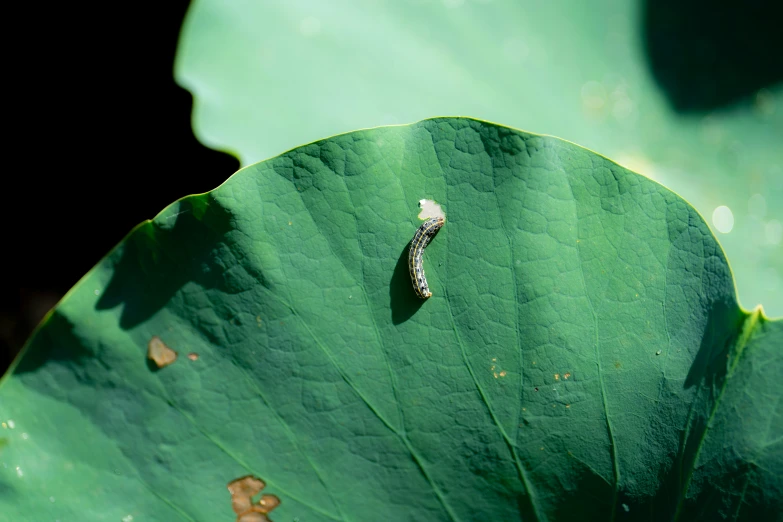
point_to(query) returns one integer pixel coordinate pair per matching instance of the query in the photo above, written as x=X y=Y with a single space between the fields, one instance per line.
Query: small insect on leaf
x=420 y=240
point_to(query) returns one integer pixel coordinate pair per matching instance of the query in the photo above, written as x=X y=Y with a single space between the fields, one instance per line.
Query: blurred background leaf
x=687 y=93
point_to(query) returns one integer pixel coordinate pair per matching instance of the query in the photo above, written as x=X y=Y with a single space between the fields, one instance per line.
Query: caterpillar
x=420 y=240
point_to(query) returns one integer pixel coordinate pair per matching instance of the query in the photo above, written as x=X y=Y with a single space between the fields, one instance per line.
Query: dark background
x=100 y=141
x=100 y=135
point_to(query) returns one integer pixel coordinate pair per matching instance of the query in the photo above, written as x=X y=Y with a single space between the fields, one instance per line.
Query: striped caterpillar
x=420 y=240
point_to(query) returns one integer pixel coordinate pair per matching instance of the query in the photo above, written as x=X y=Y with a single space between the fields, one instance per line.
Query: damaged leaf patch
x=242 y=492
x=159 y=353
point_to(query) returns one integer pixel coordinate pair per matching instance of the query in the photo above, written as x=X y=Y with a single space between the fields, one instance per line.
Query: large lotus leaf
x=583 y=356
x=267 y=76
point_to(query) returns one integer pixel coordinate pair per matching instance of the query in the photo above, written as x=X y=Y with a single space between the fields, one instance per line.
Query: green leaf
x=583 y=355
x=269 y=76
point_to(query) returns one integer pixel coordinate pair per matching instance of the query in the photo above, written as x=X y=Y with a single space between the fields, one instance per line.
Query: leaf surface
x=583 y=355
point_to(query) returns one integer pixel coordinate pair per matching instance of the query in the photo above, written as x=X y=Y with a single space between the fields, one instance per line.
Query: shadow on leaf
x=157 y=260
x=404 y=302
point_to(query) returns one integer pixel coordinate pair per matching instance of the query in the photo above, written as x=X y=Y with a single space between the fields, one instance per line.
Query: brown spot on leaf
x=193 y=356
x=503 y=373
x=618 y=364
x=242 y=492
x=557 y=376
x=159 y=353
x=566 y=375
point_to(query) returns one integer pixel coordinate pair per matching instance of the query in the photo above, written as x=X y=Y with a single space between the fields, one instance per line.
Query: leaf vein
x=615 y=463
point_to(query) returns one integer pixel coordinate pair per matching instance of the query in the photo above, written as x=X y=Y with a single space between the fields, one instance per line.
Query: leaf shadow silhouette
x=158 y=259
x=708 y=55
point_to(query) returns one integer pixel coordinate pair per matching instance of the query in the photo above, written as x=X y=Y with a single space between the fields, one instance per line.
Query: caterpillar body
x=420 y=240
